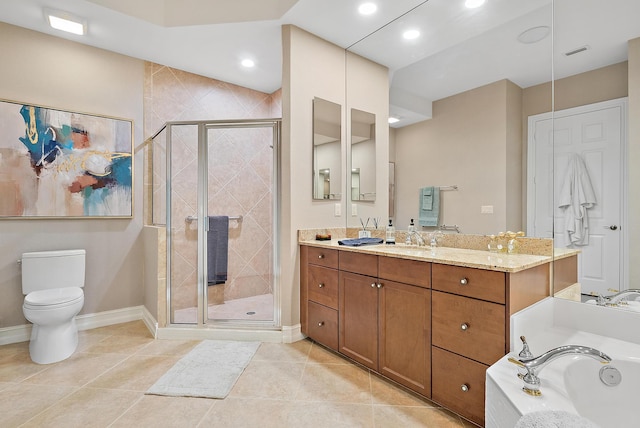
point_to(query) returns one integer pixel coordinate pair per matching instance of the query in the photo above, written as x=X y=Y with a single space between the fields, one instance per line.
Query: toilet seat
x=53 y=298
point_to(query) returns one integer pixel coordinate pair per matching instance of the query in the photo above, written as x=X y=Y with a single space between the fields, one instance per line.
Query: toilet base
x=52 y=343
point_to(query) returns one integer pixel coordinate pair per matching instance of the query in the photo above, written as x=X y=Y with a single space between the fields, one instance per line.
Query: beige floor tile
x=13 y=349
x=153 y=411
x=269 y=379
x=233 y=412
x=18 y=367
x=321 y=355
x=330 y=415
x=335 y=382
x=21 y=402
x=407 y=416
x=88 y=338
x=87 y=407
x=136 y=373
x=119 y=345
x=133 y=328
x=77 y=370
x=385 y=392
x=177 y=348
x=283 y=352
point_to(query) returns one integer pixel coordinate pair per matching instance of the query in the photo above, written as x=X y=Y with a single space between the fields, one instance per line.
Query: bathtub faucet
x=536 y=364
x=616 y=299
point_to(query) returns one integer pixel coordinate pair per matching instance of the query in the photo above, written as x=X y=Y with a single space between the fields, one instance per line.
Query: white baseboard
x=287 y=334
x=22 y=333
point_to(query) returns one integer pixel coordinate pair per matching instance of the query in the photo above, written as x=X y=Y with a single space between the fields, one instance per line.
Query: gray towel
x=217 y=249
x=429 y=206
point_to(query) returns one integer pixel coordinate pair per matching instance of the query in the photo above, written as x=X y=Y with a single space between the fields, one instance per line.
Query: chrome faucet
x=616 y=299
x=536 y=364
x=419 y=239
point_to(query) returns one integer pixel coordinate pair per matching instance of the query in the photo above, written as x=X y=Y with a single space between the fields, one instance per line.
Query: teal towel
x=429 y=206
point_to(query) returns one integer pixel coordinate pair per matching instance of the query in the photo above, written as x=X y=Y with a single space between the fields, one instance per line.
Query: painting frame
x=62 y=164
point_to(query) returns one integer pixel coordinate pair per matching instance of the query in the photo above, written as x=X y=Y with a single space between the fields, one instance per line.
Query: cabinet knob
x=379 y=285
x=321 y=323
x=464 y=281
x=320 y=285
x=464 y=387
x=321 y=256
x=373 y=285
x=464 y=327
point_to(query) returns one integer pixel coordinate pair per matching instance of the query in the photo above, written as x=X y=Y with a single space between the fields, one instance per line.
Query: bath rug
x=209 y=371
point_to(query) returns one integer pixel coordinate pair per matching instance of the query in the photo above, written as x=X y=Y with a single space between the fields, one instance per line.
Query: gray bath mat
x=210 y=370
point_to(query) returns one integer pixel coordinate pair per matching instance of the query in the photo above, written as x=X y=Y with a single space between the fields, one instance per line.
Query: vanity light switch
x=354 y=210
x=486 y=209
x=337 y=210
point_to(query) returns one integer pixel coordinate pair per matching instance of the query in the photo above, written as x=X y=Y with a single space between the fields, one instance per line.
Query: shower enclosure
x=215 y=188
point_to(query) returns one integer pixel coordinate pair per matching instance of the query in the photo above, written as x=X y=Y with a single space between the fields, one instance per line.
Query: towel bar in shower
x=191 y=218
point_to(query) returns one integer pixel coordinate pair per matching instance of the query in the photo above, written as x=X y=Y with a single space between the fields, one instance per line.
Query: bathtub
x=570 y=383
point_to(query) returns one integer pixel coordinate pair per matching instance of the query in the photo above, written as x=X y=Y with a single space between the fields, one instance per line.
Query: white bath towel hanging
x=576 y=197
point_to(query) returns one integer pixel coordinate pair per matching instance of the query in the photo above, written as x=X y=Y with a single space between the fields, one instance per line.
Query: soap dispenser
x=391 y=233
x=410 y=231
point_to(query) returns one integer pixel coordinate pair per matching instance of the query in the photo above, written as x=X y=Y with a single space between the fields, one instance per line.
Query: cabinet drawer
x=469 y=327
x=458 y=384
x=406 y=271
x=364 y=264
x=323 y=257
x=323 y=325
x=478 y=283
x=322 y=286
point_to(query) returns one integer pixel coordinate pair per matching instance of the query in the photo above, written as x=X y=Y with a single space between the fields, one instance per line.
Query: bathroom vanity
x=432 y=320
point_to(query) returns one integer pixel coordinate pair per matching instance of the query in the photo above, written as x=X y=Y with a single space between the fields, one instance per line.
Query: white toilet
x=52 y=282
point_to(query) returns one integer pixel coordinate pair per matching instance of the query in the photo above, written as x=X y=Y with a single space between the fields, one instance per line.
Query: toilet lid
x=53 y=296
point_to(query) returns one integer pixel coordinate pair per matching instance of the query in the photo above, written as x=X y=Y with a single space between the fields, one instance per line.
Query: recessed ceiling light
x=534 y=35
x=411 y=34
x=393 y=120
x=66 y=22
x=248 y=63
x=367 y=8
x=472 y=4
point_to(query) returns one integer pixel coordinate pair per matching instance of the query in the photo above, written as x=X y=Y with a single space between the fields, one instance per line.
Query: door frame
x=622 y=103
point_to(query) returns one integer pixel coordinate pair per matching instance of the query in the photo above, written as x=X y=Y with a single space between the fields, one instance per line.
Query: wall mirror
x=363 y=156
x=327 y=150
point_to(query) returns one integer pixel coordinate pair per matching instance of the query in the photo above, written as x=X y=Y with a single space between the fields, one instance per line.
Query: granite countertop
x=501 y=262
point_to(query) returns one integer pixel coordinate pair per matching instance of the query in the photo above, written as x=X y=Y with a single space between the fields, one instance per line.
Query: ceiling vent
x=577 y=51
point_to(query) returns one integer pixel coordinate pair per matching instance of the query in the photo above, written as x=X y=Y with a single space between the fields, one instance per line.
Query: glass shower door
x=240 y=230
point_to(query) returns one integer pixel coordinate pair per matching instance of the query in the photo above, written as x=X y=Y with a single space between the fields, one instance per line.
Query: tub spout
x=536 y=364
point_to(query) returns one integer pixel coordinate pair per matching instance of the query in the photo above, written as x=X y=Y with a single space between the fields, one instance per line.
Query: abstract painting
x=60 y=164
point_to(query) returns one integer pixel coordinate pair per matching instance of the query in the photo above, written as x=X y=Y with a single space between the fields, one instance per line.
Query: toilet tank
x=44 y=270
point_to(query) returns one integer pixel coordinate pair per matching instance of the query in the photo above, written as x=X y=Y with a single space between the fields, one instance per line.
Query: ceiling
x=458 y=49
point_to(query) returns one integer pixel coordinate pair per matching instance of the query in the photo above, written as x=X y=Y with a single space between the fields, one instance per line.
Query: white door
x=596 y=133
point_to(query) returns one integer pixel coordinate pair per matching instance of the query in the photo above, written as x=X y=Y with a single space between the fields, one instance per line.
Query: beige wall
x=53 y=72
x=311 y=68
x=468 y=145
x=367 y=90
x=633 y=160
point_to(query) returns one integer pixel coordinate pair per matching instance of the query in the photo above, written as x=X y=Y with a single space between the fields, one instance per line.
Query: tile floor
x=255 y=308
x=285 y=385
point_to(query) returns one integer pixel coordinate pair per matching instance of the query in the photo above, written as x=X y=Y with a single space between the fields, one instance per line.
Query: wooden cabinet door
x=358 y=313
x=404 y=332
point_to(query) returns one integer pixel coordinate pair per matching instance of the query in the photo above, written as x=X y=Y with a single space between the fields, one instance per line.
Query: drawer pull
x=321 y=323
x=464 y=281
x=464 y=327
x=373 y=285
x=464 y=387
x=320 y=285
x=321 y=256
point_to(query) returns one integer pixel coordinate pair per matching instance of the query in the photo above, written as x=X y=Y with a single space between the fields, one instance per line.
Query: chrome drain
x=610 y=376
